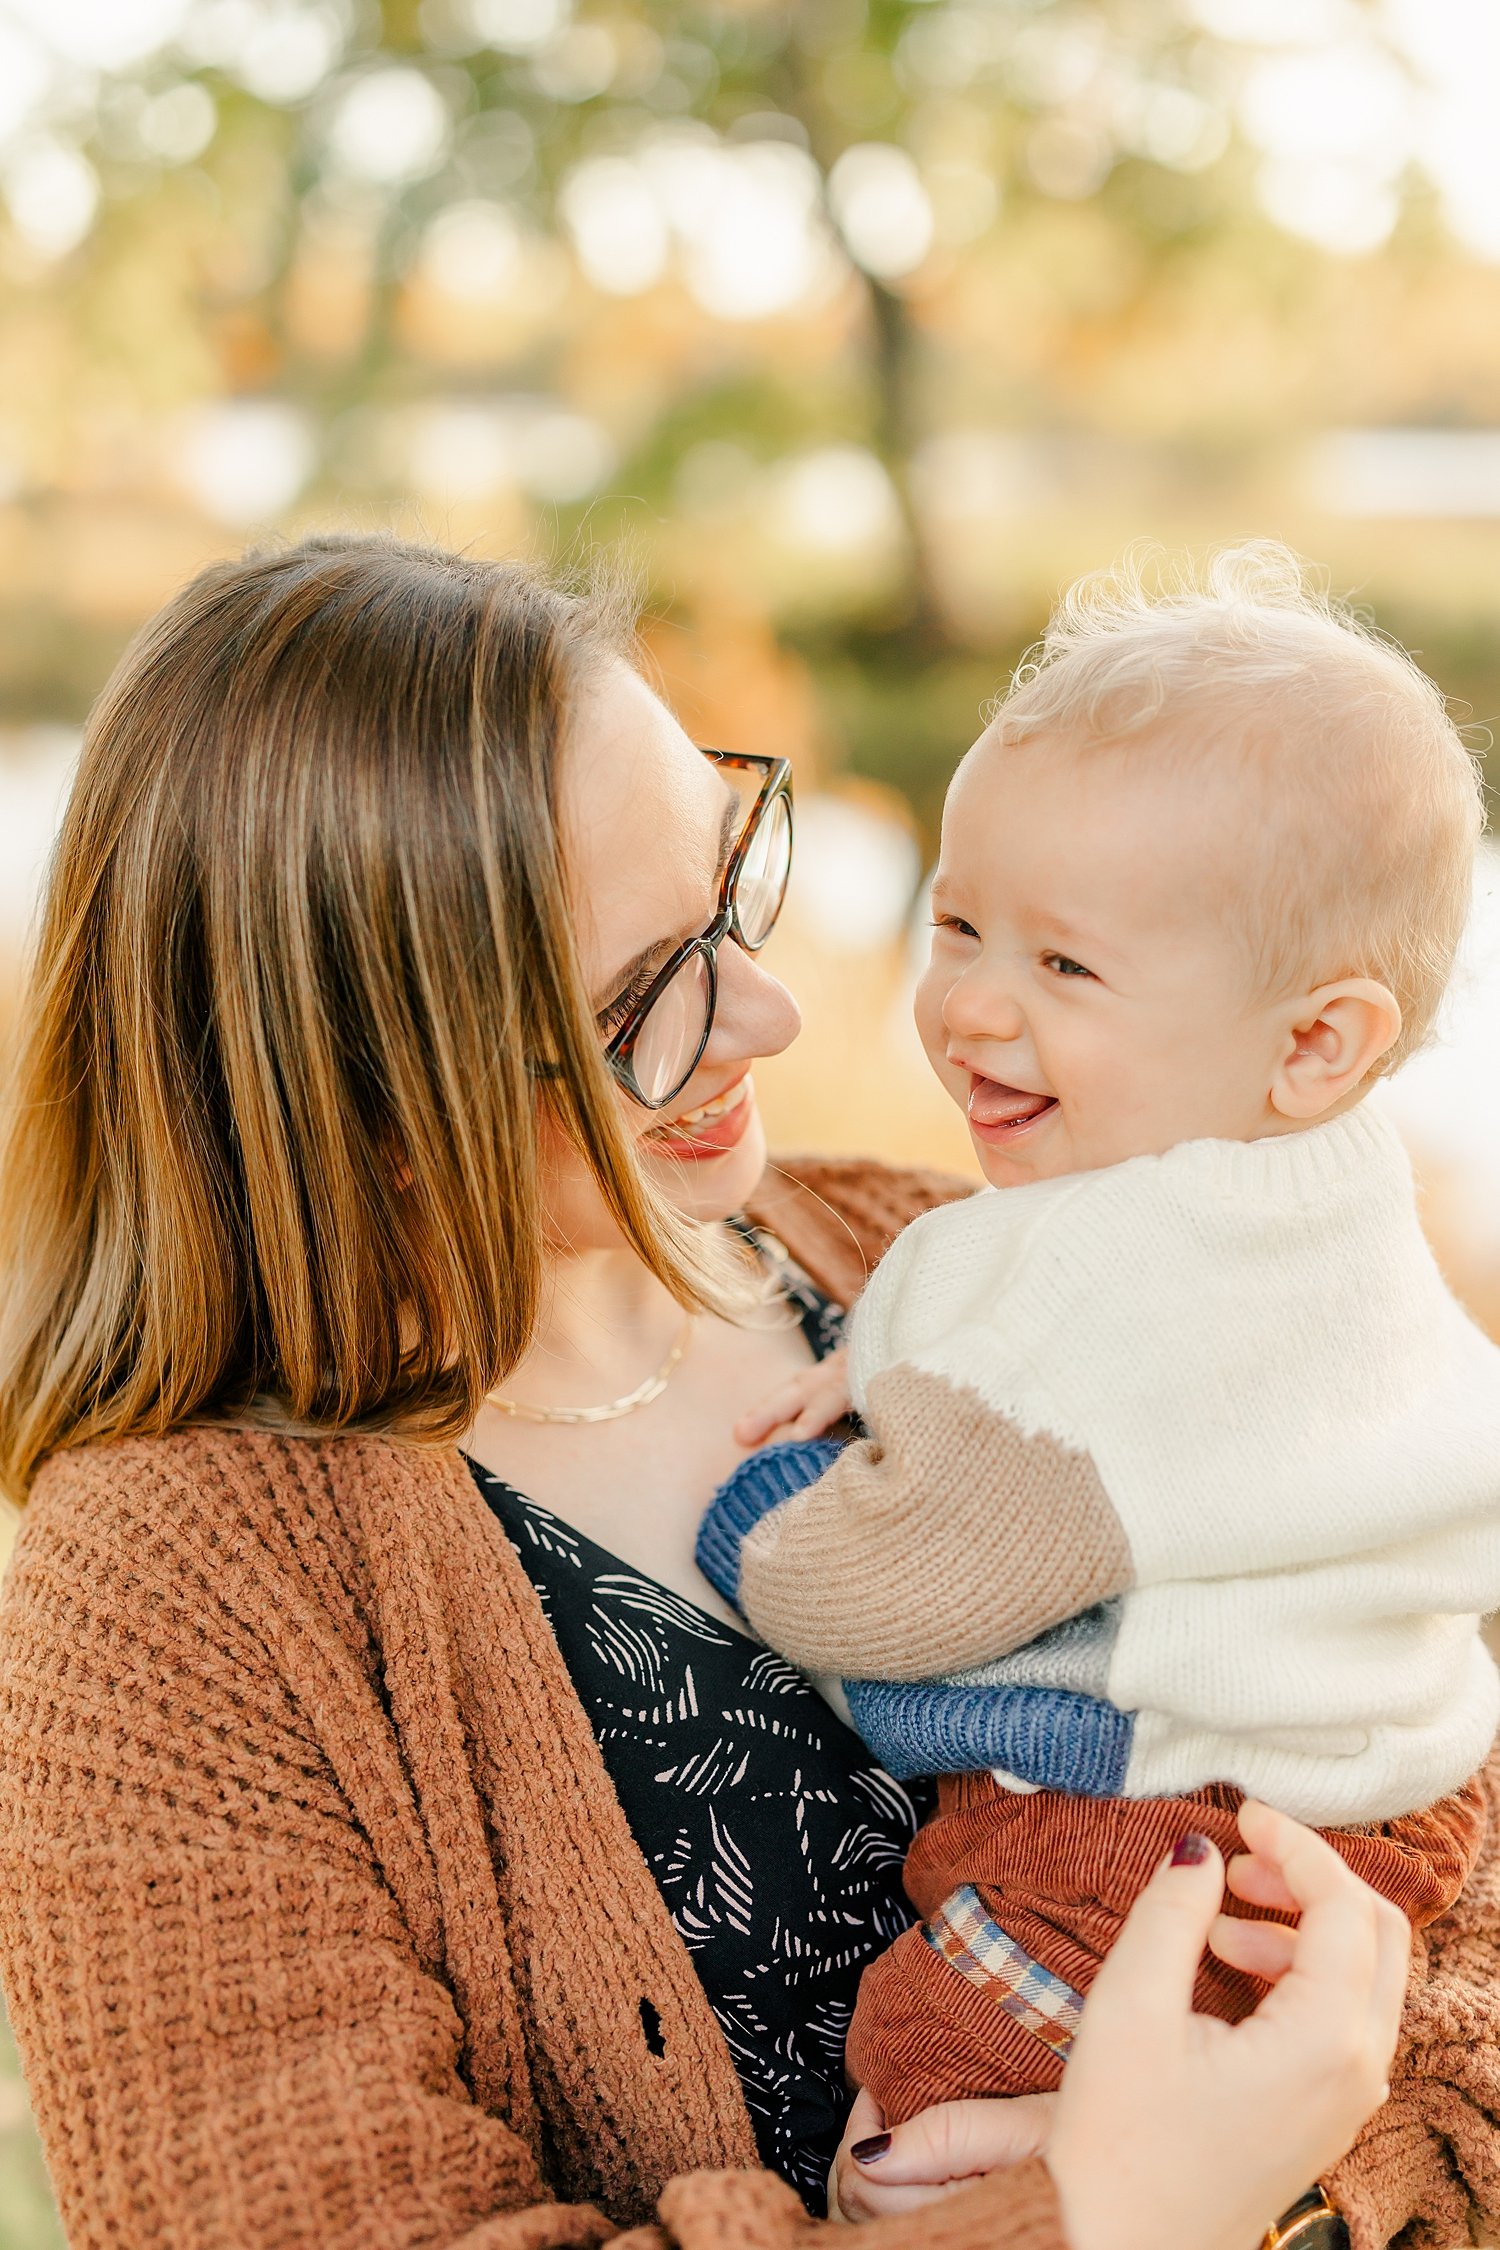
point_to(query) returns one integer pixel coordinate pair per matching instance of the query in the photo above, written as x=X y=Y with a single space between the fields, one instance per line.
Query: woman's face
x=647 y=825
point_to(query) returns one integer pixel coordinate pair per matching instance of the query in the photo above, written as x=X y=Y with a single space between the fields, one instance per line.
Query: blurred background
x=854 y=327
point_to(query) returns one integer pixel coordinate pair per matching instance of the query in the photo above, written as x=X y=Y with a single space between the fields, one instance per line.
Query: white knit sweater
x=1226 y=1394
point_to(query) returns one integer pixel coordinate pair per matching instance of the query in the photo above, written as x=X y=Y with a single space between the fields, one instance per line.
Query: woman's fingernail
x=872 y=2150
x=1190 y=1851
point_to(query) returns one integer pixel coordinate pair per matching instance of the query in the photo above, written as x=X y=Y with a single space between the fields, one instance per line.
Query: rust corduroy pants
x=1059 y=1874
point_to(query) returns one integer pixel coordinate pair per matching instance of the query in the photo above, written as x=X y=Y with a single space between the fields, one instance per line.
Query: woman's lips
x=1003 y=1113
x=709 y=1131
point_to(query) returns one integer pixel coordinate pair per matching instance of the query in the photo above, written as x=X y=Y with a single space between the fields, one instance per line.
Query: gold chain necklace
x=642 y=1395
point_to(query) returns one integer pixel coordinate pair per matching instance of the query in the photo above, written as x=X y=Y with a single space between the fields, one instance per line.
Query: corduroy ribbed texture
x=1060 y=1874
x=322 y=1928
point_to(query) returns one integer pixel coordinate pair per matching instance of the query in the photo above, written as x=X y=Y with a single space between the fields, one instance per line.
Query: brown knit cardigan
x=321 y=1923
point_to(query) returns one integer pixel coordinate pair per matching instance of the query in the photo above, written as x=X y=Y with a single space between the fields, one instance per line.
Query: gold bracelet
x=1312 y=2223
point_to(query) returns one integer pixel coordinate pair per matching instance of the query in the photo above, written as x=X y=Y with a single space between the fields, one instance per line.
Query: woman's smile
x=710 y=1130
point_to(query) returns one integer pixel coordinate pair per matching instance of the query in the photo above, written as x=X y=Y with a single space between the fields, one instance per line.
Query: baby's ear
x=1335 y=1037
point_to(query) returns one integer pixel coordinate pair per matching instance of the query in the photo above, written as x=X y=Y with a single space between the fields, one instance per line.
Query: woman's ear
x=1335 y=1038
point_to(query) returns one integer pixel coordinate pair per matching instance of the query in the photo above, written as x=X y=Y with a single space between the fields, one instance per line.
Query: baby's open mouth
x=1007 y=1110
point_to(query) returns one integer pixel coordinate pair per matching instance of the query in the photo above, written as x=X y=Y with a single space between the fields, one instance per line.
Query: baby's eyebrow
x=1074 y=938
x=1058 y=926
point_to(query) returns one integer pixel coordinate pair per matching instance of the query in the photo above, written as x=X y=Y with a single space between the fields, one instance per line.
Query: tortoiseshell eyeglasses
x=654 y=1050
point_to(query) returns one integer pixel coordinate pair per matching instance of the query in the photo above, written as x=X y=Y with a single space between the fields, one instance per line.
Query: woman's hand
x=1176 y=2128
x=933 y=2153
x=810 y=1403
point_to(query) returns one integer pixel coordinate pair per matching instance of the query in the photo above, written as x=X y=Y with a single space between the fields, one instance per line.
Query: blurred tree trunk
x=898 y=434
x=895 y=363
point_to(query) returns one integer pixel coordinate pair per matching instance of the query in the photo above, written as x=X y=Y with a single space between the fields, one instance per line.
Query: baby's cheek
x=927 y=1010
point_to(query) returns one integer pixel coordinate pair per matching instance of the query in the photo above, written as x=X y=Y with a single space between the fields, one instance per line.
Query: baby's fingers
x=781 y=1407
x=819 y=1411
x=810 y=1423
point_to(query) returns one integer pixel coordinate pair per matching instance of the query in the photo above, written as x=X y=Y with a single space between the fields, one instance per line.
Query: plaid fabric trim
x=979 y=1949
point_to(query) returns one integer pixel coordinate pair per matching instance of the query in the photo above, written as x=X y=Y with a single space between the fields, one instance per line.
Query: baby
x=1183 y=1469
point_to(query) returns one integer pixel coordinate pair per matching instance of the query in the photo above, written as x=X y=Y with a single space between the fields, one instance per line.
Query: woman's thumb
x=954 y=2140
x=1153 y=1964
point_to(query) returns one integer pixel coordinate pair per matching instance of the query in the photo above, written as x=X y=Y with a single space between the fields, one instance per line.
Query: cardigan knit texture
x=321 y=1925
x=1214 y=1414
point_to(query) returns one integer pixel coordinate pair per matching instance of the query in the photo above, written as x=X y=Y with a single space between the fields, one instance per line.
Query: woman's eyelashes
x=610 y=1019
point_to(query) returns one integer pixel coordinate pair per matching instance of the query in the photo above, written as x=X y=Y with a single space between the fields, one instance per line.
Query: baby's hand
x=803 y=1408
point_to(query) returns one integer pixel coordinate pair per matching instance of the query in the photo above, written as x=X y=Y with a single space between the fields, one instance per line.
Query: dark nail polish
x=872 y=2150
x=1190 y=1851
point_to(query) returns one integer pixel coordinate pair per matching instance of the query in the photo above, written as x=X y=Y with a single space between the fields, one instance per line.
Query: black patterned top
x=776 y=1840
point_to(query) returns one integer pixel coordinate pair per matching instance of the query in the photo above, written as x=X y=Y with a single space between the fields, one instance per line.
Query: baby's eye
x=1062 y=966
x=954 y=926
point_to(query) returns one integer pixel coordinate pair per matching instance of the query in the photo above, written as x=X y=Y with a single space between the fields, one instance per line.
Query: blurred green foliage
x=381 y=219
x=384 y=218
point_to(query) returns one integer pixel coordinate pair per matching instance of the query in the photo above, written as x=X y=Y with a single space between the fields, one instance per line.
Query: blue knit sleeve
x=1051 y=1737
x=761 y=1482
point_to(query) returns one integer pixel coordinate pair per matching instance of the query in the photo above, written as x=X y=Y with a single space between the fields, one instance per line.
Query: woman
x=400 y=1844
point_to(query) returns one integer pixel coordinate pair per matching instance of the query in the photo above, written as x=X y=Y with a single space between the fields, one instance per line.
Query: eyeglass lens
x=671 y=1032
x=673 y=1029
x=763 y=874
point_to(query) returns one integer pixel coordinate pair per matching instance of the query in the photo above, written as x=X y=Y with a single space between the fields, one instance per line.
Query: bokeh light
x=244 y=461
x=882 y=207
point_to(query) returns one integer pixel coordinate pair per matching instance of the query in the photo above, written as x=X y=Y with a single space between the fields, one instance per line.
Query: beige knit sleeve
x=946 y=1540
x=1426 y=2169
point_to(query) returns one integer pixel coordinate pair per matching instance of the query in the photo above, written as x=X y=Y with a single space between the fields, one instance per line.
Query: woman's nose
x=756 y=1015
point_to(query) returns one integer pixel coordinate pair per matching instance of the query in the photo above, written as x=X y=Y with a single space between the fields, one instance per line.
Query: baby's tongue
x=993 y=1104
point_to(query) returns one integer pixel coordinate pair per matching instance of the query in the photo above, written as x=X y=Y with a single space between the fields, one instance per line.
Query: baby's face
x=1086 y=1000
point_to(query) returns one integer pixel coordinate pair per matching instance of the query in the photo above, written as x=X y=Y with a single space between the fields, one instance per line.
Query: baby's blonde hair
x=1361 y=863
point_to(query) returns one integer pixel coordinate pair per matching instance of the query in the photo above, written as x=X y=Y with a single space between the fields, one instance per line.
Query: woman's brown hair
x=272 y=1147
